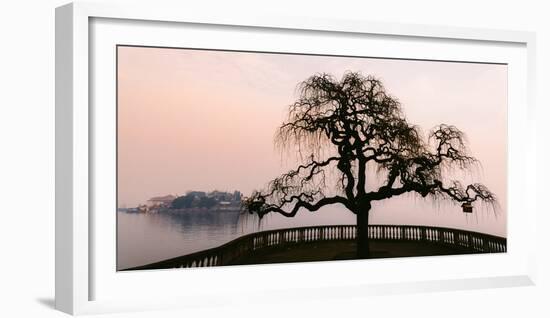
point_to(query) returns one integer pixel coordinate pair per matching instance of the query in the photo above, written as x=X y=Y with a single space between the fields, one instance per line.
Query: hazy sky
x=205 y=120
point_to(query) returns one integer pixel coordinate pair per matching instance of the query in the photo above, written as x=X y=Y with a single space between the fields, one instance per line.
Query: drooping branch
x=422 y=174
x=451 y=146
x=468 y=194
x=297 y=188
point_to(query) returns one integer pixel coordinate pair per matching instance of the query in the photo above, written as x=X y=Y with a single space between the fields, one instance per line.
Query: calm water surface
x=147 y=238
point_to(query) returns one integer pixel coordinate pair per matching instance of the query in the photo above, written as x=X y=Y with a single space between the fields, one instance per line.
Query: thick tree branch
x=258 y=205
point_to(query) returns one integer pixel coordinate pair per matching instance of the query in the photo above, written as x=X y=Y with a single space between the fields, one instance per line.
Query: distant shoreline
x=183 y=211
x=201 y=210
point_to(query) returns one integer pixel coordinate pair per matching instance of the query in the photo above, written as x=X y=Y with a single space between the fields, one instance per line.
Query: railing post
x=423 y=233
x=485 y=244
x=281 y=238
x=455 y=238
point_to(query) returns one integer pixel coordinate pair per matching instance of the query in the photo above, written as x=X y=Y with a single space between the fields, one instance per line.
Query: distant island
x=192 y=201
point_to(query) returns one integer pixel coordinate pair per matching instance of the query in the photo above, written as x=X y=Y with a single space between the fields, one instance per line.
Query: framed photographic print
x=232 y=155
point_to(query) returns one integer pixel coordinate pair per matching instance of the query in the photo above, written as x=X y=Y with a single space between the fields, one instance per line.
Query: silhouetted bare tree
x=339 y=129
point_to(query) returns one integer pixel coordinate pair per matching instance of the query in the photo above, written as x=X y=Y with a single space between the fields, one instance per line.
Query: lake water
x=148 y=238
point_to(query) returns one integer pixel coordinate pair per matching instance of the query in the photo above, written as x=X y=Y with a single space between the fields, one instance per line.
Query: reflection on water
x=147 y=238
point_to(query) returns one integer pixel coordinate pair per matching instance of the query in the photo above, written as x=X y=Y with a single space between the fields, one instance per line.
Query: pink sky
x=205 y=120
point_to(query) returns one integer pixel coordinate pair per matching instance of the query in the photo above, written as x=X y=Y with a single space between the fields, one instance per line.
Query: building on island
x=192 y=201
x=237 y=196
x=160 y=202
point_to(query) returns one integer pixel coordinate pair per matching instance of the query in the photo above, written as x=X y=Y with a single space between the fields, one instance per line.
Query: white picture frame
x=77 y=261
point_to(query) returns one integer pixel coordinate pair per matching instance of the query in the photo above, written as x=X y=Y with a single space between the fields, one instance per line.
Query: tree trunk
x=363 y=250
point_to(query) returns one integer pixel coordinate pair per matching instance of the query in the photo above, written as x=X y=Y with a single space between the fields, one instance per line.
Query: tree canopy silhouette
x=340 y=129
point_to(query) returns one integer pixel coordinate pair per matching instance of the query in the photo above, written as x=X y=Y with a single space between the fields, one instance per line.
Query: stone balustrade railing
x=226 y=253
